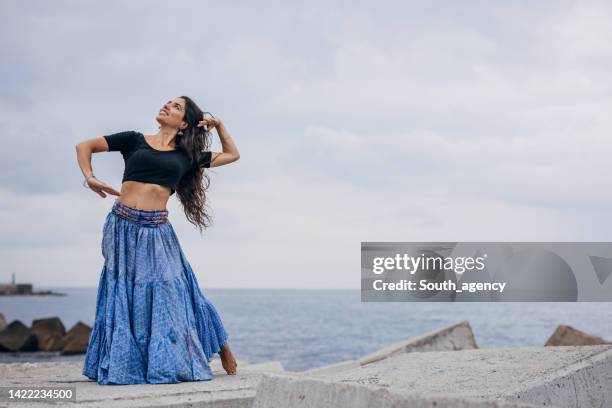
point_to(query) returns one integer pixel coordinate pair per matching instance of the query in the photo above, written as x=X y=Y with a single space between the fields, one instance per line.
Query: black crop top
x=149 y=165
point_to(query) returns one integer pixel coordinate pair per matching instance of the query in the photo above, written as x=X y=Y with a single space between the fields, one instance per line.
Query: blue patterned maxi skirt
x=152 y=324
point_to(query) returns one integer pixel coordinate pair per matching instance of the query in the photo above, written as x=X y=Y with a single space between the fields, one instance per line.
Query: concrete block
x=331 y=368
x=587 y=383
x=275 y=391
x=267 y=367
x=564 y=376
x=458 y=336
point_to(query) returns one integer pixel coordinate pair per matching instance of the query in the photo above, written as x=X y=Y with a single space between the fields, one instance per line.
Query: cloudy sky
x=394 y=121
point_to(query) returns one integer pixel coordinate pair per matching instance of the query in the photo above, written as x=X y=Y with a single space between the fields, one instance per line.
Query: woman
x=152 y=323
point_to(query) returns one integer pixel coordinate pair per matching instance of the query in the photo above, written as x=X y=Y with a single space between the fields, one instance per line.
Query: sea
x=307 y=328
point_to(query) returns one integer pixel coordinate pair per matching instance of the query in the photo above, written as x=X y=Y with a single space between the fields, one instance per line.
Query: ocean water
x=305 y=328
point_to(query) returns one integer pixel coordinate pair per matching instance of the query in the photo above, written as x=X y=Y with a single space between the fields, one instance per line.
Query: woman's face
x=172 y=113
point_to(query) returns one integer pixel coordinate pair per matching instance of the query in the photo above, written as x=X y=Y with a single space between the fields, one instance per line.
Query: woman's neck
x=166 y=136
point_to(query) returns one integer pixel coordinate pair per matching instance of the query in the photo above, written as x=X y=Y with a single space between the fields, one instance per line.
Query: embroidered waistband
x=145 y=217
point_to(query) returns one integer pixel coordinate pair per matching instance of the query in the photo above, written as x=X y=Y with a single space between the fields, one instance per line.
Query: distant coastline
x=36 y=293
x=25 y=289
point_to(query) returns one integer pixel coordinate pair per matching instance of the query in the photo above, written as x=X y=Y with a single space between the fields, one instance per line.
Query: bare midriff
x=144 y=196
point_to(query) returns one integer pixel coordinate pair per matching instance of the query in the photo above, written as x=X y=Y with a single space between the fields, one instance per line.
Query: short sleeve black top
x=148 y=165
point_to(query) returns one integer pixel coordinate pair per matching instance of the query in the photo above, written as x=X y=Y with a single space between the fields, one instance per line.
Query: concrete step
x=563 y=376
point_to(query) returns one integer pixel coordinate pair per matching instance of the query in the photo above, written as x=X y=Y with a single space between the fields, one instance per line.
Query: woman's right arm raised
x=84 y=151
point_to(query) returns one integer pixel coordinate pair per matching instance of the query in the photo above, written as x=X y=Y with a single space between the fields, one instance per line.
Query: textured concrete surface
x=223 y=391
x=587 y=383
x=284 y=391
x=458 y=336
x=564 y=376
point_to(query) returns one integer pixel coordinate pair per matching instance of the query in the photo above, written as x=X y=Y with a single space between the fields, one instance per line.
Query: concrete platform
x=564 y=376
x=223 y=391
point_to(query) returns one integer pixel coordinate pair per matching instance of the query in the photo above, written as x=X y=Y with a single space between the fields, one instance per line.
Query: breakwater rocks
x=48 y=334
x=441 y=369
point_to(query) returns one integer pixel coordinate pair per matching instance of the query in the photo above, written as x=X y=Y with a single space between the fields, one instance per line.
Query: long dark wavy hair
x=191 y=190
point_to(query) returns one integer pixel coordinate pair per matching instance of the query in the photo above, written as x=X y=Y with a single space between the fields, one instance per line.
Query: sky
x=355 y=121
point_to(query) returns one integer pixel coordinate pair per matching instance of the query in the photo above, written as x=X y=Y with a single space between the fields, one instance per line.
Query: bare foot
x=227 y=360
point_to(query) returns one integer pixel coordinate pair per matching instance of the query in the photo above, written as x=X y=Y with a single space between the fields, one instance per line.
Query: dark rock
x=2 y=322
x=51 y=342
x=77 y=338
x=49 y=332
x=17 y=337
x=569 y=336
